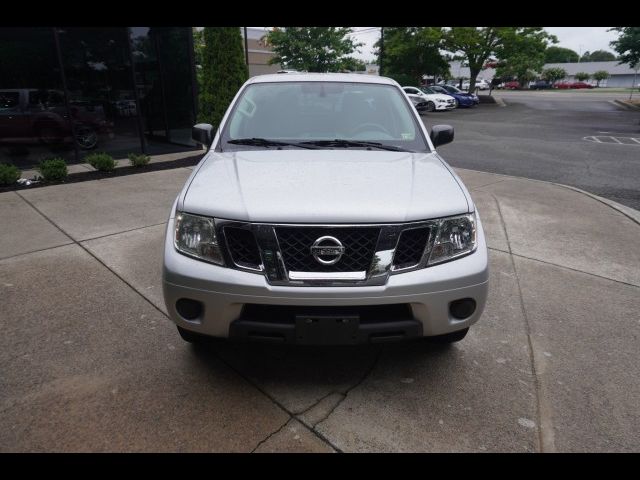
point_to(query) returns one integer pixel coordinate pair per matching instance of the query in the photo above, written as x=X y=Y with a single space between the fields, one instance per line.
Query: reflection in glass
x=163 y=79
x=97 y=70
x=34 y=121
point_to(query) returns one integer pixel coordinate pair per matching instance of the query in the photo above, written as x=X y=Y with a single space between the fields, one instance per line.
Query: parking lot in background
x=578 y=138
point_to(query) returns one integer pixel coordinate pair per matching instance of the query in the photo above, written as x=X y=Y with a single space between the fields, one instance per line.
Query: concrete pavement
x=90 y=362
x=575 y=138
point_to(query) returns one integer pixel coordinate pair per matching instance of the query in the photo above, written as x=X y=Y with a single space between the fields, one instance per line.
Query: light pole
x=381 y=50
x=246 y=46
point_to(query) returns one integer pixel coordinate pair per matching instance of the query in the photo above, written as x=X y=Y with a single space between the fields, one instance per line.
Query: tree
x=311 y=49
x=560 y=55
x=478 y=44
x=553 y=74
x=352 y=64
x=522 y=53
x=600 y=75
x=198 y=53
x=223 y=71
x=627 y=45
x=582 y=76
x=412 y=52
x=598 y=56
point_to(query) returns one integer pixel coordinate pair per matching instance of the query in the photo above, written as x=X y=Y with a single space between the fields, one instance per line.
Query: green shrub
x=101 y=161
x=9 y=174
x=53 y=169
x=224 y=70
x=138 y=160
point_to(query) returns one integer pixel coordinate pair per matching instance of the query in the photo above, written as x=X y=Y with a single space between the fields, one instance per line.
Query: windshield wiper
x=339 y=142
x=265 y=142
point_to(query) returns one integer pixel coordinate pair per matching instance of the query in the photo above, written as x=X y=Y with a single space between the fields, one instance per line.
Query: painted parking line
x=634 y=141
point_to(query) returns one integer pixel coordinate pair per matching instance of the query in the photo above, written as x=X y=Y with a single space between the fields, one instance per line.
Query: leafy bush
x=101 y=161
x=9 y=174
x=53 y=169
x=139 y=160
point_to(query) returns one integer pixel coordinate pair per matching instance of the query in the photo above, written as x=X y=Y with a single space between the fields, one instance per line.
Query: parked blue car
x=463 y=99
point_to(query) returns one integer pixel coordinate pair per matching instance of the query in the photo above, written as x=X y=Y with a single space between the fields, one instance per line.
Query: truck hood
x=324 y=186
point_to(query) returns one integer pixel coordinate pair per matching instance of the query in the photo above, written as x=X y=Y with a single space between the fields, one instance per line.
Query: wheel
x=192 y=337
x=86 y=137
x=449 y=337
x=431 y=106
x=457 y=102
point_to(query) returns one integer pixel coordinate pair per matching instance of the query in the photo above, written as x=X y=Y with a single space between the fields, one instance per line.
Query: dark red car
x=581 y=85
x=567 y=85
x=511 y=85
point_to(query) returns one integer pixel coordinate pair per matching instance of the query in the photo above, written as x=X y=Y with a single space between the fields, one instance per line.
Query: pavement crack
x=275 y=432
x=545 y=425
x=346 y=393
x=123 y=231
x=316 y=403
x=275 y=401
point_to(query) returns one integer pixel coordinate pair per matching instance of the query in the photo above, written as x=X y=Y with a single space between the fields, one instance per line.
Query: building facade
x=620 y=76
x=67 y=92
x=259 y=53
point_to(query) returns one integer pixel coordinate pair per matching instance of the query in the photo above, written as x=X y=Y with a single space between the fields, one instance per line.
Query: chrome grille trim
x=274 y=269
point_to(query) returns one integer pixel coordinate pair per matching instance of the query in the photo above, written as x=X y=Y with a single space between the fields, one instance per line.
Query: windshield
x=322 y=114
x=427 y=90
x=452 y=89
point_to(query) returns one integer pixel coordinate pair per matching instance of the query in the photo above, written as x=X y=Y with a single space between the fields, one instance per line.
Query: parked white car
x=435 y=101
x=481 y=84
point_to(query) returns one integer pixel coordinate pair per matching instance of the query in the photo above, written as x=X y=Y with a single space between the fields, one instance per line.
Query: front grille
x=242 y=247
x=411 y=247
x=359 y=243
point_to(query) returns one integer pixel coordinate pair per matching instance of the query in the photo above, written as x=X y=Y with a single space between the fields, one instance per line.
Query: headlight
x=456 y=237
x=196 y=236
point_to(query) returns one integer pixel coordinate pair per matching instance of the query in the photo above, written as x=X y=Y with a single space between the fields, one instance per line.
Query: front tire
x=449 y=337
x=430 y=107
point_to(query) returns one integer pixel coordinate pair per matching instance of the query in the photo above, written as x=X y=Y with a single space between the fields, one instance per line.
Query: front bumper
x=223 y=292
x=445 y=106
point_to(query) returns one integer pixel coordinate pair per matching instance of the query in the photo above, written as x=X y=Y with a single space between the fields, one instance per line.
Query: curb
x=631 y=213
x=626 y=105
x=500 y=102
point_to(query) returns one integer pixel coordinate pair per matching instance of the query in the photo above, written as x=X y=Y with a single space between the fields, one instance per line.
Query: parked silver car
x=322 y=214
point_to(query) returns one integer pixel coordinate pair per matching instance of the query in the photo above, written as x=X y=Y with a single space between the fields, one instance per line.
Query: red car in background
x=567 y=85
x=581 y=85
x=511 y=85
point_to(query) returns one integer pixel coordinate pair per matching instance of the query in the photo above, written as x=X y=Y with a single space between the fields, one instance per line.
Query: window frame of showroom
x=139 y=119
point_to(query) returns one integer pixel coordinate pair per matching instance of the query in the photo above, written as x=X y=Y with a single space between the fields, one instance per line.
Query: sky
x=579 y=39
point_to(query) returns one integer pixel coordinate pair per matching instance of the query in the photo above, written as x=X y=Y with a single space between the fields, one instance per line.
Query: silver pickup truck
x=322 y=214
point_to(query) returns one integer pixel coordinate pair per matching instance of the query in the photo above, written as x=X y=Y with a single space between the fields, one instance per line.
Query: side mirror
x=441 y=135
x=202 y=133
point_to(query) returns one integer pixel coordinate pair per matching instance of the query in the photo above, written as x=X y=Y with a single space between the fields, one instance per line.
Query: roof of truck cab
x=321 y=77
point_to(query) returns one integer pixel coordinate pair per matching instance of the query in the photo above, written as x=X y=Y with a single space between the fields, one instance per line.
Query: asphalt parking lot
x=90 y=361
x=579 y=138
